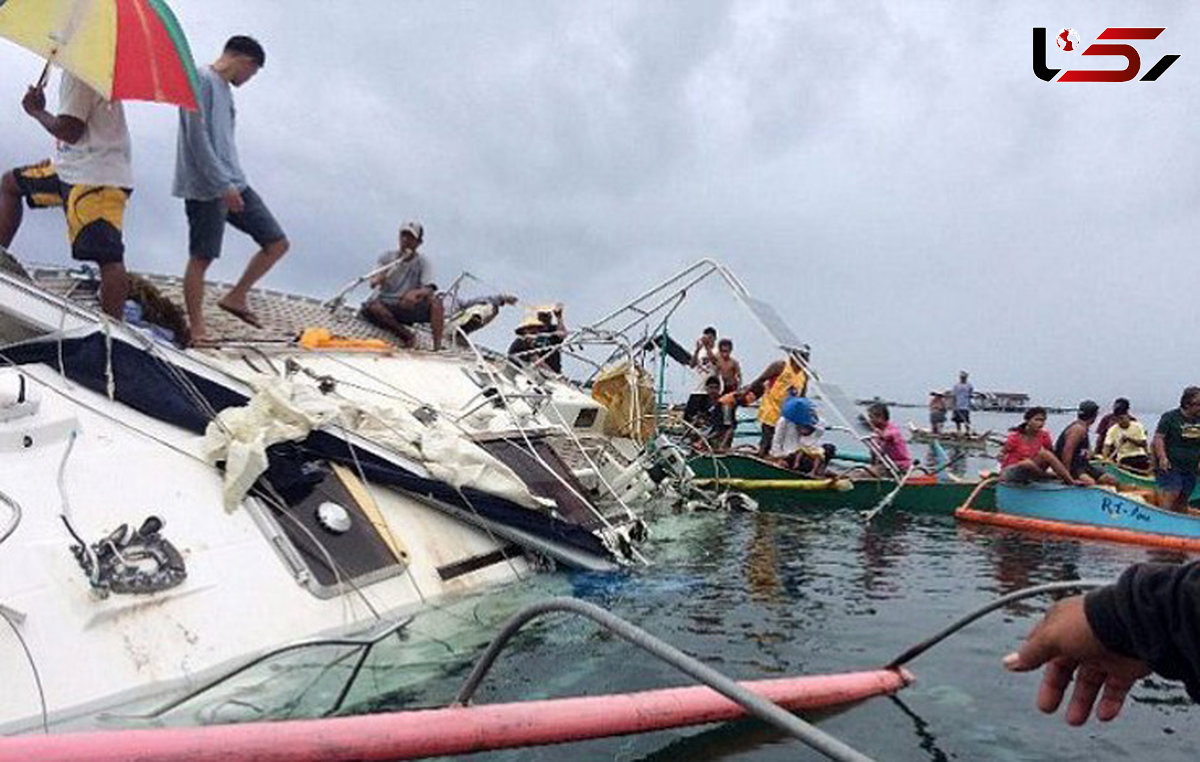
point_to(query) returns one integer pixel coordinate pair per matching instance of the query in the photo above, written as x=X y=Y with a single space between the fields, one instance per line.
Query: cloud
x=890 y=175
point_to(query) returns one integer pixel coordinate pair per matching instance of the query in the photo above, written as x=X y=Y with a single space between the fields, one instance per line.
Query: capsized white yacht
x=166 y=513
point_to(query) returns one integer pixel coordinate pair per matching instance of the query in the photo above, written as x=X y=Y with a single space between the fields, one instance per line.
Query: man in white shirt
x=91 y=178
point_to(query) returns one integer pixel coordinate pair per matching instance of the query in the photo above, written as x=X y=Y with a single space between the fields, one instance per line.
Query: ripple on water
x=762 y=595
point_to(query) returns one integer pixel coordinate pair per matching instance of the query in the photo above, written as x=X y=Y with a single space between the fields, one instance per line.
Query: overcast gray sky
x=890 y=175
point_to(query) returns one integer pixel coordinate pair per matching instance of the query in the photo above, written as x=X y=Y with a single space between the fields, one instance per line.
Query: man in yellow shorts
x=91 y=178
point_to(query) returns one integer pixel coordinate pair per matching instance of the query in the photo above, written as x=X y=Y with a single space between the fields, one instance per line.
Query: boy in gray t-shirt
x=404 y=294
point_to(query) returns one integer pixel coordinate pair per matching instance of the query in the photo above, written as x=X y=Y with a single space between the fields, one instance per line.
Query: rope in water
x=1004 y=600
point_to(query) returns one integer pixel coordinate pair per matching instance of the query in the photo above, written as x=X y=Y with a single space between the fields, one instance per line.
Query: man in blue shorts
x=209 y=177
x=1176 y=449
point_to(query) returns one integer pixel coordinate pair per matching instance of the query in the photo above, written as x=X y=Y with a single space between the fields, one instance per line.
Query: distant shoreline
x=1052 y=409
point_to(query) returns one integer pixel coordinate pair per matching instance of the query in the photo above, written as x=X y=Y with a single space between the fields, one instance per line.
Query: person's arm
x=772 y=370
x=379 y=278
x=197 y=141
x=64 y=127
x=1007 y=447
x=1065 y=642
x=560 y=329
x=737 y=374
x=1137 y=434
x=1111 y=443
x=1161 y=462
x=1148 y=621
x=1070 y=442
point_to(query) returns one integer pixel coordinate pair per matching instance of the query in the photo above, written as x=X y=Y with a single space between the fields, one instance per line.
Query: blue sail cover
x=154 y=387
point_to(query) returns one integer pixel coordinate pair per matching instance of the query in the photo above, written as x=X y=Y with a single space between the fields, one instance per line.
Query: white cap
x=415 y=229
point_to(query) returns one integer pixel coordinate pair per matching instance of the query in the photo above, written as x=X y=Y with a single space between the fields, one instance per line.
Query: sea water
x=769 y=595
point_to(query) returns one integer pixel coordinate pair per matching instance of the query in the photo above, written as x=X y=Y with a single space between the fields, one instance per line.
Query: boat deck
x=284 y=316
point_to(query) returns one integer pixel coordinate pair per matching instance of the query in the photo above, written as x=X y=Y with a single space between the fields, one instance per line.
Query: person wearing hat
x=405 y=294
x=538 y=336
x=796 y=443
x=1074 y=449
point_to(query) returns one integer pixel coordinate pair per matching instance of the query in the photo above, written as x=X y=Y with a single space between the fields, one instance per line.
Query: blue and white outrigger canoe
x=1088 y=512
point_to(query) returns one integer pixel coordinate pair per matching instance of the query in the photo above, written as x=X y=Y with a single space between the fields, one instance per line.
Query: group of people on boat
x=91 y=179
x=791 y=433
x=1172 y=454
x=956 y=401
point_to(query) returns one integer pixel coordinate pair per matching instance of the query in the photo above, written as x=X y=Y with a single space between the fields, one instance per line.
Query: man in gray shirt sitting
x=404 y=294
x=209 y=177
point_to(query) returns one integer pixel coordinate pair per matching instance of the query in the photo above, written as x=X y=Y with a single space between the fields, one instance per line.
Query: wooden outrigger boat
x=1096 y=513
x=778 y=488
x=950 y=438
x=1139 y=479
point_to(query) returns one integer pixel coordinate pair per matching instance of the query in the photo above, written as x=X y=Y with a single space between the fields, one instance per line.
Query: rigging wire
x=1029 y=592
x=37 y=676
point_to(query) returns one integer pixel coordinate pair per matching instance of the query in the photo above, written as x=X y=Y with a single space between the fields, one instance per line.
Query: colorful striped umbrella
x=123 y=49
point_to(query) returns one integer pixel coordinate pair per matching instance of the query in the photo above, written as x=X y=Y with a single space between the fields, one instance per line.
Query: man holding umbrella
x=91 y=178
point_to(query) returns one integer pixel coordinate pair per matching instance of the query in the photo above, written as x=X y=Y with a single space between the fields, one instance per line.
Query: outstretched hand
x=1063 y=641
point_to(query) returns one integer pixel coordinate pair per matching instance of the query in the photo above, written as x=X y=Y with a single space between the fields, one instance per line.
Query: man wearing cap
x=404 y=293
x=1074 y=449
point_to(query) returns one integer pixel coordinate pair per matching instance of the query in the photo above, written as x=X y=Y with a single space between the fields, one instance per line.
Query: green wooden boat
x=780 y=489
x=1137 y=478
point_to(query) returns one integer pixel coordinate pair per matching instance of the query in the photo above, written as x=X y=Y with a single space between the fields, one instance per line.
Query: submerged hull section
x=246 y=588
x=340 y=531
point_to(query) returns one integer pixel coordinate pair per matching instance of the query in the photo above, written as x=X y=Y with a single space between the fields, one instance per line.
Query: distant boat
x=1095 y=513
x=953 y=438
x=778 y=489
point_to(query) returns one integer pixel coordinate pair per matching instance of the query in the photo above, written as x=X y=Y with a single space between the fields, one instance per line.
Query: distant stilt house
x=1001 y=402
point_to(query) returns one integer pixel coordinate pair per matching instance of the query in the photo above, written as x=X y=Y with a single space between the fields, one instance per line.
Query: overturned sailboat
x=170 y=512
